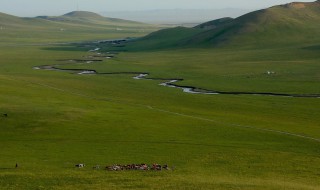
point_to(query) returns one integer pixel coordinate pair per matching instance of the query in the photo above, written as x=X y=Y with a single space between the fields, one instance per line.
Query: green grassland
x=57 y=119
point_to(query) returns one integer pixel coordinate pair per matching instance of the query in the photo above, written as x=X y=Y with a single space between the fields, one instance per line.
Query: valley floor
x=56 y=119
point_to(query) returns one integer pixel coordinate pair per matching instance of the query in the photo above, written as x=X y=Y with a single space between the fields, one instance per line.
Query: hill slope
x=278 y=25
x=5 y=18
x=74 y=26
x=83 y=14
x=89 y=18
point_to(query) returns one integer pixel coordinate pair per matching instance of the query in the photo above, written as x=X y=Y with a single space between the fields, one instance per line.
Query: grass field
x=57 y=119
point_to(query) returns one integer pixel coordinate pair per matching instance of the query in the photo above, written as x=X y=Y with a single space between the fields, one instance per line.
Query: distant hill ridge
x=289 y=24
x=77 y=25
x=81 y=17
x=83 y=14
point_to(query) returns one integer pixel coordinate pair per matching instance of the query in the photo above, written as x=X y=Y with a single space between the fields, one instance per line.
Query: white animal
x=80 y=165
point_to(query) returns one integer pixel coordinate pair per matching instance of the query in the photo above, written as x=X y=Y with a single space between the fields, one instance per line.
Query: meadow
x=59 y=119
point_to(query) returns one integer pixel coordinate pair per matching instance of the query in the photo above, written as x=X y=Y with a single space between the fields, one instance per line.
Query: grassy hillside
x=51 y=120
x=6 y=19
x=276 y=26
x=74 y=26
x=215 y=23
x=167 y=38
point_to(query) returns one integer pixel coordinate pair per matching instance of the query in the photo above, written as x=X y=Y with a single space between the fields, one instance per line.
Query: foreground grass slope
x=57 y=119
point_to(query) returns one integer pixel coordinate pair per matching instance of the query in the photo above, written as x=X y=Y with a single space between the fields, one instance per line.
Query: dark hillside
x=83 y=14
x=283 y=25
x=215 y=23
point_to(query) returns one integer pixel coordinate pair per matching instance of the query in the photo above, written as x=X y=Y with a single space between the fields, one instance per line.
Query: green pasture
x=56 y=120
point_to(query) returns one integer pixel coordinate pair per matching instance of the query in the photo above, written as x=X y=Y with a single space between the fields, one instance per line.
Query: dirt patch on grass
x=296 y=5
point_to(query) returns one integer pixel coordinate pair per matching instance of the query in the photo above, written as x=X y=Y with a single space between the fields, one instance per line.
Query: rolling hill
x=278 y=25
x=89 y=18
x=73 y=26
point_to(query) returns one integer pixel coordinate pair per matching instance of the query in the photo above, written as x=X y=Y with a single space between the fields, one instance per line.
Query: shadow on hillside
x=316 y=47
x=67 y=48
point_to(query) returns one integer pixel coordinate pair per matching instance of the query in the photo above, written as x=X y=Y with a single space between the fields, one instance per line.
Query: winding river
x=168 y=82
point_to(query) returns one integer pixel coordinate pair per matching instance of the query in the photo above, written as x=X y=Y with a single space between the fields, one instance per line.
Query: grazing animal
x=80 y=165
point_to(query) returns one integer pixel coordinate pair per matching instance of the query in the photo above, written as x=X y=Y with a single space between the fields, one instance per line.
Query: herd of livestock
x=145 y=167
